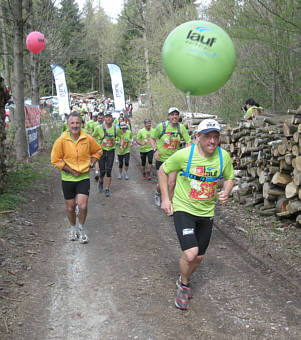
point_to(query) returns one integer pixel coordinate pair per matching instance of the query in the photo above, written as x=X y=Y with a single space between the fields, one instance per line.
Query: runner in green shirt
x=146 y=149
x=165 y=141
x=124 y=142
x=106 y=134
x=199 y=168
x=91 y=124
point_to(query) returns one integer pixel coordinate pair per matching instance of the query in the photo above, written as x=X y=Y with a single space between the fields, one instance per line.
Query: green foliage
x=23 y=176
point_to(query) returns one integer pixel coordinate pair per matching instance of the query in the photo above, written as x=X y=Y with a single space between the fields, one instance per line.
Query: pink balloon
x=35 y=42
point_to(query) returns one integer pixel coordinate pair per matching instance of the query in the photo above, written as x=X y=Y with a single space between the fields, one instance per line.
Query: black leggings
x=149 y=156
x=126 y=159
x=106 y=163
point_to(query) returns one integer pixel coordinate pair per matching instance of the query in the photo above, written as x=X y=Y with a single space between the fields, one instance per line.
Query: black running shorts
x=106 y=163
x=71 y=189
x=149 y=155
x=193 y=231
x=125 y=158
x=158 y=164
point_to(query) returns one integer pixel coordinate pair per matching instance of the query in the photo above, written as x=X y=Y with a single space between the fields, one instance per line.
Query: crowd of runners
x=188 y=173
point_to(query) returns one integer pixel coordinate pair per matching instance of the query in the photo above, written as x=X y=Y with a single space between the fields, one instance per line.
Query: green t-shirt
x=65 y=126
x=169 y=143
x=144 y=137
x=91 y=125
x=107 y=142
x=194 y=196
x=66 y=176
x=127 y=137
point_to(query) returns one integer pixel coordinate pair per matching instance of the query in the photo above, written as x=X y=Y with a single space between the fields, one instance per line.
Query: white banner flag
x=117 y=87
x=61 y=90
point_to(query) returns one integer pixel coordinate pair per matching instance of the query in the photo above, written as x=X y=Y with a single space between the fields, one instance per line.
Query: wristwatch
x=155 y=150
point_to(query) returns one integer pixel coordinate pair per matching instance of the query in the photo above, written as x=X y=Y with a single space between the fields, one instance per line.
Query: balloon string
x=188 y=101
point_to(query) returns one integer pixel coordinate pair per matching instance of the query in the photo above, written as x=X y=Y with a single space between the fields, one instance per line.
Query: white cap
x=95 y=114
x=123 y=125
x=208 y=125
x=173 y=109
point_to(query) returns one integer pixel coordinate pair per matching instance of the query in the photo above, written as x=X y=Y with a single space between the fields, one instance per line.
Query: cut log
x=269 y=212
x=284 y=166
x=289 y=129
x=280 y=178
x=281 y=204
x=282 y=149
x=264 y=177
x=298 y=163
x=294 y=206
x=270 y=190
x=298 y=221
x=295 y=149
x=296 y=136
x=288 y=158
x=297 y=177
x=291 y=190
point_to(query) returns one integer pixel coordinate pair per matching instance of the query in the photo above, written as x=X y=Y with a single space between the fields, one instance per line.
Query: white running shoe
x=158 y=199
x=73 y=235
x=83 y=238
x=119 y=176
x=126 y=176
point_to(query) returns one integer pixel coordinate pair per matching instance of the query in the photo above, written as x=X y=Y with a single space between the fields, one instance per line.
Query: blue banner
x=32 y=140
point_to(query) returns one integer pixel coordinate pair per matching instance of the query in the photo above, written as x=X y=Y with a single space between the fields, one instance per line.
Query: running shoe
x=119 y=176
x=179 y=284
x=158 y=199
x=73 y=235
x=181 y=300
x=107 y=193
x=96 y=175
x=83 y=238
x=100 y=186
x=126 y=176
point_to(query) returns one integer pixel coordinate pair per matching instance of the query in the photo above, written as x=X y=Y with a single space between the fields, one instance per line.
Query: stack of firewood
x=266 y=153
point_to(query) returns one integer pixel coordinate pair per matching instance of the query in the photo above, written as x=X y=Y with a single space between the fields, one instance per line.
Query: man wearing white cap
x=199 y=169
x=166 y=140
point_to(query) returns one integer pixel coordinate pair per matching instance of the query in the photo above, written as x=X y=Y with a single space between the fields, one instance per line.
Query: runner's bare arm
x=166 y=204
x=67 y=168
x=227 y=188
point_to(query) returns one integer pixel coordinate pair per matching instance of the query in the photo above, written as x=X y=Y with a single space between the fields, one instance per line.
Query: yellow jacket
x=77 y=155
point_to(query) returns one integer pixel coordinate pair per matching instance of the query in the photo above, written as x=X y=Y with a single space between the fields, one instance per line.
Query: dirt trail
x=122 y=284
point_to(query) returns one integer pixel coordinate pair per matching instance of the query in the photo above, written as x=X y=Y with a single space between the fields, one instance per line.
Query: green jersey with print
x=91 y=125
x=144 y=137
x=192 y=195
x=127 y=137
x=169 y=142
x=108 y=140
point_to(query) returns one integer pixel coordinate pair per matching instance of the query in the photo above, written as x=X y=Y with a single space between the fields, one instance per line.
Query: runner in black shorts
x=146 y=149
x=72 y=153
x=199 y=169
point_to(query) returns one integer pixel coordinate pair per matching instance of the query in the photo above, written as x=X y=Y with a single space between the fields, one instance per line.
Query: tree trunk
x=4 y=48
x=20 y=136
x=147 y=72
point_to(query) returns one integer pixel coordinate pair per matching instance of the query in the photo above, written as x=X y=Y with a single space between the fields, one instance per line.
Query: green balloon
x=198 y=57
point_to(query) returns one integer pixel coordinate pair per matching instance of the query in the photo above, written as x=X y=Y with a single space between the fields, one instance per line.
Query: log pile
x=266 y=154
